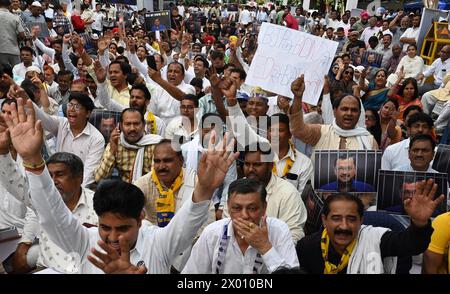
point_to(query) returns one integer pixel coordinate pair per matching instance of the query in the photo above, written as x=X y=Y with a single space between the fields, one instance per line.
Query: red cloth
x=77 y=22
x=291 y=22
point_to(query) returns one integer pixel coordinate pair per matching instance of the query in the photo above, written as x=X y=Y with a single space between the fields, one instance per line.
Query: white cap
x=33 y=68
x=358 y=68
x=388 y=32
x=36 y=3
x=94 y=36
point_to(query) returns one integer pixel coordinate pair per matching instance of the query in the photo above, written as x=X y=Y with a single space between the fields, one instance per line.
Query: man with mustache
x=167 y=187
x=420 y=153
x=129 y=150
x=248 y=242
x=342 y=133
x=283 y=199
x=139 y=99
x=345 y=171
x=128 y=246
x=347 y=246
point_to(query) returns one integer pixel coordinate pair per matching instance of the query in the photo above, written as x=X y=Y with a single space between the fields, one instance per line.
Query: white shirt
x=408 y=167
x=204 y=254
x=175 y=129
x=97 y=24
x=156 y=247
x=302 y=168
x=165 y=106
x=412 y=67
x=438 y=69
x=88 y=145
x=395 y=155
x=335 y=24
x=369 y=32
x=410 y=33
x=245 y=17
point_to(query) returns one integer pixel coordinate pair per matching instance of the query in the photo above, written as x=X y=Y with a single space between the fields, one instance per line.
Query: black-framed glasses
x=74 y=106
x=348 y=72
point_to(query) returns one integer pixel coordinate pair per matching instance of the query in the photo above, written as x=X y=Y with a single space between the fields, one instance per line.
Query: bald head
x=445 y=52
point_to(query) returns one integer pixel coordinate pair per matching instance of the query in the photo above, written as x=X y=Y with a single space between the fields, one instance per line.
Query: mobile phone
x=151 y=62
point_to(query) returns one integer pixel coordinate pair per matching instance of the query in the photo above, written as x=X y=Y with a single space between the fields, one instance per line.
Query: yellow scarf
x=151 y=120
x=289 y=163
x=165 y=203
x=329 y=267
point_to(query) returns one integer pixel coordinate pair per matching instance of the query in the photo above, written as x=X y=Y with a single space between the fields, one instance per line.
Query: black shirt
x=409 y=242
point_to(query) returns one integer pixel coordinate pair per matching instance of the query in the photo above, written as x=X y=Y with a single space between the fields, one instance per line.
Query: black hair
x=246 y=186
x=413 y=45
x=124 y=67
x=339 y=197
x=83 y=99
x=141 y=115
x=203 y=60
x=122 y=59
x=8 y=101
x=219 y=45
x=197 y=82
x=411 y=108
x=420 y=117
x=29 y=88
x=375 y=130
x=262 y=147
x=119 y=197
x=393 y=101
x=422 y=137
x=216 y=54
x=143 y=88
x=229 y=65
x=65 y=73
x=178 y=64
x=337 y=102
x=242 y=73
x=73 y=162
x=192 y=98
x=406 y=82
x=168 y=141
x=26 y=48
x=5 y=3
x=280 y=118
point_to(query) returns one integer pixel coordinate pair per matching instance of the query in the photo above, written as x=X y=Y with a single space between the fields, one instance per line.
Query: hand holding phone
x=151 y=62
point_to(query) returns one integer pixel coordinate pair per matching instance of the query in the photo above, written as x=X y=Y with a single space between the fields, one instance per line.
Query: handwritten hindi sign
x=284 y=54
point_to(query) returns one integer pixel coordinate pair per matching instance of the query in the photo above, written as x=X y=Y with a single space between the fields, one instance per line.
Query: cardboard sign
x=284 y=54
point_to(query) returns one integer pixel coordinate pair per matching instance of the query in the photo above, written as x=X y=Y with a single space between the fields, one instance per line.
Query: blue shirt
x=357 y=186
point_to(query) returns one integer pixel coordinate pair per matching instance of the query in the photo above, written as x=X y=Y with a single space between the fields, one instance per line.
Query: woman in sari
x=390 y=132
x=376 y=92
x=406 y=94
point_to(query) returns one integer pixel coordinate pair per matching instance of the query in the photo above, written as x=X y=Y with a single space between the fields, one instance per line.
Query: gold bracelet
x=34 y=166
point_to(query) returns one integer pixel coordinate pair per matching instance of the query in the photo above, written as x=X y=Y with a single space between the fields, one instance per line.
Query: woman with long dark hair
x=406 y=94
x=373 y=124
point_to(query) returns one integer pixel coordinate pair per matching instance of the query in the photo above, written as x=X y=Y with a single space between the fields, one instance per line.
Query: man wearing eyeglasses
x=74 y=133
x=184 y=127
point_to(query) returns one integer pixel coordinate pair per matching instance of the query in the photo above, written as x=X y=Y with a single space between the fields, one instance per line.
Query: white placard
x=284 y=54
x=157 y=36
x=351 y=4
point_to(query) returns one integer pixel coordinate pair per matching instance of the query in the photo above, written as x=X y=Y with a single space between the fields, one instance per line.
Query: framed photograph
x=372 y=59
x=105 y=121
x=157 y=21
x=353 y=171
x=314 y=207
x=396 y=186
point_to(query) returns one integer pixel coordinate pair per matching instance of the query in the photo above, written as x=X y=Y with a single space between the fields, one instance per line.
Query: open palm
x=422 y=205
x=26 y=133
x=215 y=162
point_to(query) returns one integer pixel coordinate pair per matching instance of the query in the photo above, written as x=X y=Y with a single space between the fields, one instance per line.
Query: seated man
x=420 y=153
x=433 y=101
x=345 y=170
x=347 y=246
x=438 y=69
x=259 y=244
x=119 y=206
x=283 y=199
x=129 y=150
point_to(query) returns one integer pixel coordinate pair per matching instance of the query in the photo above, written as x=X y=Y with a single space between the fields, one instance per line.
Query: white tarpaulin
x=284 y=54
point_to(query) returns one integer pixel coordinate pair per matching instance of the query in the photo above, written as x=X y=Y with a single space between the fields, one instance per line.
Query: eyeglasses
x=370 y=117
x=74 y=106
x=187 y=107
x=348 y=72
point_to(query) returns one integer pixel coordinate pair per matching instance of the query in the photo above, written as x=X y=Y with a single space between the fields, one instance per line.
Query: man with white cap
x=36 y=19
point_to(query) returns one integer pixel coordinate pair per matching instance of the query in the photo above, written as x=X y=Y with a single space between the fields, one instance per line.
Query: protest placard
x=284 y=54
x=157 y=21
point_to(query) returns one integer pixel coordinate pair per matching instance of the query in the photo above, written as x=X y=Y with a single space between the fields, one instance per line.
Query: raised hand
x=15 y=92
x=37 y=81
x=298 y=86
x=214 y=164
x=255 y=235
x=154 y=74
x=5 y=139
x=131 y=45
x=67 y=38
x=185 y=45
x=422 y=205
x=102 y=45
x=26 y=133
x=112 y=262
x=114 y=140
x=229 y=88
x=100 y=72
x=35 y=32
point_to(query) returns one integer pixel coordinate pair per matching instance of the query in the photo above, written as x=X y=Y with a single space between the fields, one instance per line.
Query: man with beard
x=139 y=99
x=347 y=246
x=130 y=150
x=345 y=171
